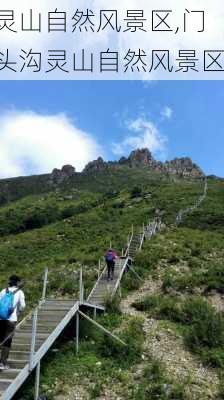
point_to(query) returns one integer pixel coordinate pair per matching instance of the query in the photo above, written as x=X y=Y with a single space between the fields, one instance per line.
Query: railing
x=100 y=275
x=190 y=209
x=129 y=240
x=122 y=268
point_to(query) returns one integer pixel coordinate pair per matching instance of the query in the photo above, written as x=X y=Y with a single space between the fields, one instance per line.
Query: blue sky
x=45 y=124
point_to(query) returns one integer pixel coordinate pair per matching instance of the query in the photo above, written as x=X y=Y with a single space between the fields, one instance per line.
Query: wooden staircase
x=135 y=244
x=52 y=317
x=105 y=288
x=36 y=333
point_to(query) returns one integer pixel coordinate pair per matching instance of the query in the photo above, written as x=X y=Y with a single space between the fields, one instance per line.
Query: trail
x=166 y=345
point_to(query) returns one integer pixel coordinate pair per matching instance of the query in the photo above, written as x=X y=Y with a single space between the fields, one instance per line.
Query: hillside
x=177 y=307
x=99 y=175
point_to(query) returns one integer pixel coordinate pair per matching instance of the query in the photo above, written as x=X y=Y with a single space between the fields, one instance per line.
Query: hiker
x=12 y=302
x=110 y=258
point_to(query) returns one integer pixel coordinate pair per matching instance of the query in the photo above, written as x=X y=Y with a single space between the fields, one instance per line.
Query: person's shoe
x=4 y=367
x=112 y=278
x=1 y=366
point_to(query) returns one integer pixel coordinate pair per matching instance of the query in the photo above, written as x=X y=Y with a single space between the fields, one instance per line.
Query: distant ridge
x=183 y=167
x=139 y=161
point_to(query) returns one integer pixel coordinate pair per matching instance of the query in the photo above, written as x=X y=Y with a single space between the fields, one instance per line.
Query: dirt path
x=167 y=346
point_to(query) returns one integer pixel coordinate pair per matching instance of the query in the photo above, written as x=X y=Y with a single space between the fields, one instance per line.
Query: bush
x=213 y=357
x=161 y=306
x=132 y=335
x=136 y=192
x=156 y=385
x=112 y=305
x=207 y=326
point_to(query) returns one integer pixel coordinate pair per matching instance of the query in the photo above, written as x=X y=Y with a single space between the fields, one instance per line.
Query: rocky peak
x=141 y=157
x=61 y=175
x=183 y=166
x=96 y=165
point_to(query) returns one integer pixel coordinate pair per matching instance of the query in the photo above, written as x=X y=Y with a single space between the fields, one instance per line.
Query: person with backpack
x=110 y=258
x=12 y=302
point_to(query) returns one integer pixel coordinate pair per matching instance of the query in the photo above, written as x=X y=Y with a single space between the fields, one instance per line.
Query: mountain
x=139 y=163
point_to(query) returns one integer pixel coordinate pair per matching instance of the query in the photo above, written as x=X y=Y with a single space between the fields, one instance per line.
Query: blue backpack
x=109 y=256
x=6 y=304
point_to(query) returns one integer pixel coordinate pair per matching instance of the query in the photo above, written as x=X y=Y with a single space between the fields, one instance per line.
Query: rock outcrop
x=183 y=167
x=96 y=166
x=60 y=175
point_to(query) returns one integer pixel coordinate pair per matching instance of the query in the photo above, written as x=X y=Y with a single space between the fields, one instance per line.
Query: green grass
x=39 y=228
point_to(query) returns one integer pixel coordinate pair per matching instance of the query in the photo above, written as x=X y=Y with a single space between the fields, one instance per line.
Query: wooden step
x=41 y=324
x=55 y=308
x=4 y=384
x=9 y=374
x=25 y=346
x=26 y=336
x=40 y=328
x=17 y=364
x=52 y=314
x=50 y=317
x=62 y=302
x=19 y=355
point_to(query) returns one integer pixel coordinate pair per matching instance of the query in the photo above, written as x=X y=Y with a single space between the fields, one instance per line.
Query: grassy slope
x=83 y=238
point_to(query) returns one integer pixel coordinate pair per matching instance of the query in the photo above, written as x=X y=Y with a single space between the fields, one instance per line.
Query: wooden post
x=45 y=284
x=37 y=382
x=94 y=314
x=77 y=332
x=33 y=339
x=132 y=229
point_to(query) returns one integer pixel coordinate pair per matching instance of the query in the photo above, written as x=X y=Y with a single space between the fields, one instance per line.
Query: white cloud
x=167 y=112
x=144 y=134
x=33 y=143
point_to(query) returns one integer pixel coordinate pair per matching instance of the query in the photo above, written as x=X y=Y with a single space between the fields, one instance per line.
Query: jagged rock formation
x=60 y=175
x=183 y=167
x=139 y=158
x=96 y=166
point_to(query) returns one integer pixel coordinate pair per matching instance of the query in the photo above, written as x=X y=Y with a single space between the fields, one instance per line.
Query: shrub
x=156 y=385
x=132 y=335
x=112 y=305
x=136 y=192
x=161 y=306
